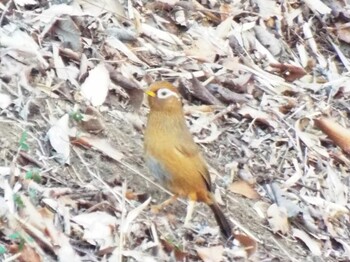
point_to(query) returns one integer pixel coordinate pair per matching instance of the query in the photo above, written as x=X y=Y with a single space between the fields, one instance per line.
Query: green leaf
x=15 y=235
x=18 y=201
x=23 y=141
x=77 y=116
x=2 y=250
x=34 y=175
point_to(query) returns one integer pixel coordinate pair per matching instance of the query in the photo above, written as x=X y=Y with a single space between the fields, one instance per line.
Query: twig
x=284 y=250
x=5 y=11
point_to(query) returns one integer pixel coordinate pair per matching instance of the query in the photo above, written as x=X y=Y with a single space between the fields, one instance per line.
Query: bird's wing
x=191 y=152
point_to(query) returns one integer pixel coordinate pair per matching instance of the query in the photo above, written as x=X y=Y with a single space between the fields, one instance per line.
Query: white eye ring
x=165 y=93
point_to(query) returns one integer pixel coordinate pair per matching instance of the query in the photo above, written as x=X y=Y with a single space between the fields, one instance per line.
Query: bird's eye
x=165 y=93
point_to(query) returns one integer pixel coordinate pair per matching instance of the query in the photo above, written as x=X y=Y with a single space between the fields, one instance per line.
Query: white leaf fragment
x=58 y=136
x=95 y=87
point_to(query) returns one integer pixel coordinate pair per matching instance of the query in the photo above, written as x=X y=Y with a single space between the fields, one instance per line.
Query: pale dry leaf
x=278 y=219
x=157 y=34
x=318 y=6
x=243 y=188
x=96 y=85
x=202 y=51
x=268 y=8
x=343 y=58
x=133 y=214
x=310 y=40
x=21 y=43
x=258 y=115
x=101 y=145
x=54 y=11
x=103 y=6
x=336 y=191
x=63 y=248
x=303 y=55
x=133 y=255
x=310 y=140
x=3 y=206
x=25 y=2
x=68 y=32
x=261 y=208
x=343 y=31
x=99 y=228
x=346 y=247
x=5 y=101
x=294 y=178
x=214 y=134
x=268 y=40
x=283 y=200
x=119 y=45
x=58 y=136
x=314 y=245
x=332 y=209
x=210 y=254
x=60 y=67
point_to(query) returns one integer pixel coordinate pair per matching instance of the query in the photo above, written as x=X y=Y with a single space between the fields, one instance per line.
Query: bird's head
x=163 y=96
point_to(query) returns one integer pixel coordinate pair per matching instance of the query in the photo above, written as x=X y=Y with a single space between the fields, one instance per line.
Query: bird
x=173 y=157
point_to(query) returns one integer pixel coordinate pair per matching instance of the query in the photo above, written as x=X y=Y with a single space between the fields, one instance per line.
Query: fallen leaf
x=278 y=219
x=5 y=101
x=211 y=254
x=99 y=228
x=100 y=144
x=27 y=253
x=337 y=133
x=133 y=214
x=58 y=136
x=92 y=121
x=243 y=188
x=95 y=87
x=313 y=244
x=249 y=244
x=258 y=115
x=289 y=72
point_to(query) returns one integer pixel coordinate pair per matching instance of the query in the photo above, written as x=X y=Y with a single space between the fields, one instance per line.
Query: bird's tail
x=224 y=224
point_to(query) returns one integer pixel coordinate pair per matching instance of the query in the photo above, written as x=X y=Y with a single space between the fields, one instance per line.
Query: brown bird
x=173 y=157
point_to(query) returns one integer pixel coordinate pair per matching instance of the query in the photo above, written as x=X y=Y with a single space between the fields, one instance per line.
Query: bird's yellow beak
x=150 y=93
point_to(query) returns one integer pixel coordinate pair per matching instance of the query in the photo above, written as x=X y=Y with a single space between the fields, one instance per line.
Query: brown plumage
x=171 y=154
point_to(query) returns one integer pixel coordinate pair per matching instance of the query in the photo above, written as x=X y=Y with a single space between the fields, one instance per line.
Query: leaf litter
x=266 y=90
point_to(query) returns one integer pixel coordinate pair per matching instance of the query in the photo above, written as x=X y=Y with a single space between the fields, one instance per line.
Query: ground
x=265 y=88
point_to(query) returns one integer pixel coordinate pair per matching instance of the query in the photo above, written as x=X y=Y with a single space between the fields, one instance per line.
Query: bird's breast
x=157 y=169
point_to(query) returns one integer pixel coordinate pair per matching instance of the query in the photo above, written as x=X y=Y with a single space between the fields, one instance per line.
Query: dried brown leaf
x=337 y=133
x=244 y=189
x=27 y=253
x=289 y=72
x=92 y=121
x=249 y=244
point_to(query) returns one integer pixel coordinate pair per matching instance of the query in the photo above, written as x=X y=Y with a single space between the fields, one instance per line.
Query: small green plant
x=23 y=141
x=76 y=115
x=18 y=200
x=17 y=236
x=34 y=175
x=2 y=250
x=33 y=195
